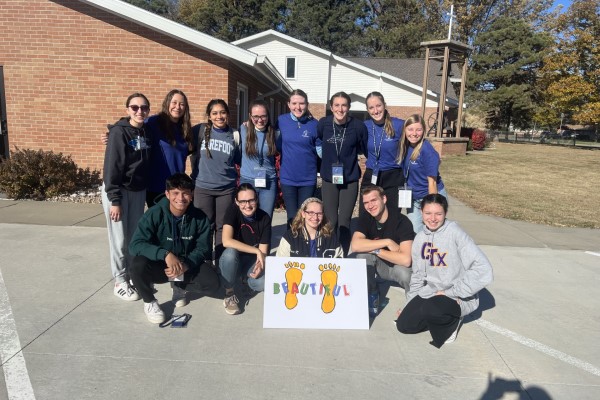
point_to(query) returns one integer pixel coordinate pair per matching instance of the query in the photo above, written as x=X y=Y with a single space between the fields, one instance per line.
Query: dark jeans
x=438 y=314
x=293 y=197
x=338 y=205
x=145 y=272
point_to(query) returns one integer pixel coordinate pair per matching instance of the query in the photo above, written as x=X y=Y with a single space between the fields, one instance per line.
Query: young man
x=384 y=238
x=173 y=243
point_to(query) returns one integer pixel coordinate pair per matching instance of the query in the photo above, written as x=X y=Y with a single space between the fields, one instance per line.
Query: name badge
x=375 y=176
x=337 y=174
x=178 y=278
x=260 y=179
x=405 y=197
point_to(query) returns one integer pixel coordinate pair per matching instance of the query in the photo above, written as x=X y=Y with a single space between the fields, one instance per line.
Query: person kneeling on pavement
x=246 y=238
x=449 y=270
x=173 y=242
x=383 y=238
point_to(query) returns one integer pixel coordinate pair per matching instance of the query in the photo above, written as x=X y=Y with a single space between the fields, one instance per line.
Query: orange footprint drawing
x=329 y=277
x=293 y=277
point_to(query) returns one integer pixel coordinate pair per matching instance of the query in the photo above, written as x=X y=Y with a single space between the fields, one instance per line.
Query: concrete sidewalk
x=534 y=337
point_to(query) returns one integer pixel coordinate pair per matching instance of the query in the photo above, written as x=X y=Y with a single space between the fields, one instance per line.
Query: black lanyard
x=338 y=151
x=261 y=151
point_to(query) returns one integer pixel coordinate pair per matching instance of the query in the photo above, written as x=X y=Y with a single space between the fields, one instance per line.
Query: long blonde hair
x=404 y=143
x=297 y=224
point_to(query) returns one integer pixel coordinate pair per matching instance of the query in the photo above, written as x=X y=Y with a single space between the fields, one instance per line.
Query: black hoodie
x=125 y=160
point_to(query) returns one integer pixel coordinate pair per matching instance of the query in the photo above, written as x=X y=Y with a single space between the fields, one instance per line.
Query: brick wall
x=69 y=67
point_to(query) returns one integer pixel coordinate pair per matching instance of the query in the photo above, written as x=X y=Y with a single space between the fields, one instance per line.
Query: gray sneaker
x=154 y=313
x=179 y=297
x=231 y=305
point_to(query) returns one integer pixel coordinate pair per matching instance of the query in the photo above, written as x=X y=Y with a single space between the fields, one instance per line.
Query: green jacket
x=153 y=236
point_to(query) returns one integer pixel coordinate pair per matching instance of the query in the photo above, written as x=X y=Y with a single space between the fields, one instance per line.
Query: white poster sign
x=315 y=293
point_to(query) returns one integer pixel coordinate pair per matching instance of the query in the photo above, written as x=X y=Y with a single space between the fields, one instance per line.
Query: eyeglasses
x=135 y=108
x=312 y=214
x=260 y=117
x=246 y=202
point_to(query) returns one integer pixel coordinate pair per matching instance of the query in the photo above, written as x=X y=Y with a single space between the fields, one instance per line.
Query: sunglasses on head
x=135 y=108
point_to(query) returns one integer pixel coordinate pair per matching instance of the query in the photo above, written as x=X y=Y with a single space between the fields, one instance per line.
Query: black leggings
x=438 y=314
x=338 y=205
x=145 y=272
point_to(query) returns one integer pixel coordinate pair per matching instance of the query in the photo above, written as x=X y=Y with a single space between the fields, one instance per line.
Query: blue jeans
x=414 y=213
x=294 y=196
x=233 y=262
x=266 y=196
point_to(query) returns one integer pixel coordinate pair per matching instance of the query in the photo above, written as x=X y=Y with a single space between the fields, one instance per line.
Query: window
x=290 y=67
x=242 y=103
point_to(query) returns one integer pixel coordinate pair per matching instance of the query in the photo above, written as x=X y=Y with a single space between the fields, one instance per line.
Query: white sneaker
x=452 y=338
x=125 y=291
x=179 y=297
x=154 y=313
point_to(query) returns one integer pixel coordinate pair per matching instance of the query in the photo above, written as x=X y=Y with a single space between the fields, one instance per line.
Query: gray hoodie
x=449 y=260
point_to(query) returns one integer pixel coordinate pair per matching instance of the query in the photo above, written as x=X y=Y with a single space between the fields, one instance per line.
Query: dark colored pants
x=214 y=203
x=338 y=205
x=438 y=314
x=293 y=197
x=145 y=272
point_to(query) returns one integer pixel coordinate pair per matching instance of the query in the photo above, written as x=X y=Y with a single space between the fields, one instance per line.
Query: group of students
x=143 y=153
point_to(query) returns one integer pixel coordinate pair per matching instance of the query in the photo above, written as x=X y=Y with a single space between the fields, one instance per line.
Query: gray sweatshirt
x=449 y=260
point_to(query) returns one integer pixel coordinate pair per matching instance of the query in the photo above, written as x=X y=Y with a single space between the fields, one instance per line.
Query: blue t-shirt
x=165 y=159
x=379 y=143
x=427 y=164
x=298 y=151
x=260 y=160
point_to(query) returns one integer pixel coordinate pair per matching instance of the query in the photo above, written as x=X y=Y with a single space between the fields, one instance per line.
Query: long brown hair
x=251 y=139
x=209 y=124
x=297 y=224
x=166 y=125
x=404 y=144
x=387 y=120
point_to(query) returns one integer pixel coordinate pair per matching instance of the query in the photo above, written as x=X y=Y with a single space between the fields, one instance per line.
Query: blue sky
x=565 y=4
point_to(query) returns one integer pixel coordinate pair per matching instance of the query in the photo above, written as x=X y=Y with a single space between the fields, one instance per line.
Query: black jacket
x=299 y=246
x=125 y=160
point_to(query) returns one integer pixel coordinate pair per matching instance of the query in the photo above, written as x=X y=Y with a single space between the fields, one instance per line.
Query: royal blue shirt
x=299 y=143
x=416 y=172
x=165 y=159
x=378 y=143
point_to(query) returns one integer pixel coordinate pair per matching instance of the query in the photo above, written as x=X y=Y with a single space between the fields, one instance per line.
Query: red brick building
x=67 y=66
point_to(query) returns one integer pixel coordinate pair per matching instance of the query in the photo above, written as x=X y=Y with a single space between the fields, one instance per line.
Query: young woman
x=448 y=272
x=420 y=166
x=310 y=234
x=258 y=155
x=299 y=142
x=383 y=141
x=246 y=237
x=124 y=190
x=171 y=132
x=343 y=138
x=213 y=167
